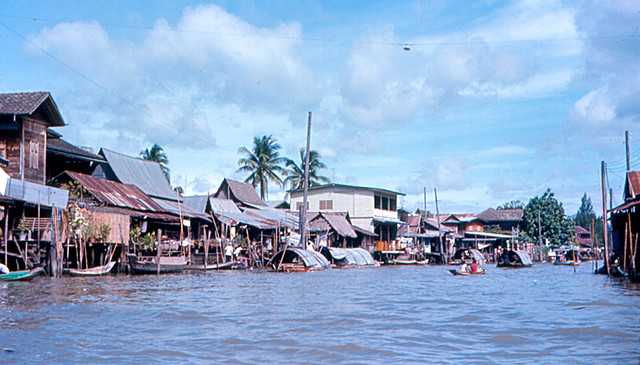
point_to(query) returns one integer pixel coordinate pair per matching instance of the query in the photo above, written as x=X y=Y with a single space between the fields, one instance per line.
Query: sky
x=489 y=101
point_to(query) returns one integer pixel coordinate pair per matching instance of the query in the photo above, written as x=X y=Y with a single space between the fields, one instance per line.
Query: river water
x=544 y=314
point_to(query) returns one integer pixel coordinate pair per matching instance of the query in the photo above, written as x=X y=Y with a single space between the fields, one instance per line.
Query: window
x=326 y=204
x=385 y=203
x=34 y=154
x=299 y=206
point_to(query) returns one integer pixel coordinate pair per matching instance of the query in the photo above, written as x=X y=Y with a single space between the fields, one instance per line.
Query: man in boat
x=464 y=267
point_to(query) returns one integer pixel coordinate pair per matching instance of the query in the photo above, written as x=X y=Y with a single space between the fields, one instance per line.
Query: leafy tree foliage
x=514 y=204
x=295 y=172
x=263 y=163
x=557 y=228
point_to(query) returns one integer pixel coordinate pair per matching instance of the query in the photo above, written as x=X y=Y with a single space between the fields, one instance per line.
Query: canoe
x=23 y=275
x=567 y=263
x=94 y=271
x=147 y=265
x=464 y=273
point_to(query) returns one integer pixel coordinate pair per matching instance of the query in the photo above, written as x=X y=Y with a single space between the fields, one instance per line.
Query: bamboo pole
x=626 y=237
x=207 y=235
x=605 y=228
x=158 y=251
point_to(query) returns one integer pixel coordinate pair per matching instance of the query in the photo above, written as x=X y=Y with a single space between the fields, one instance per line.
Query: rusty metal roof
x=115 y=194
x=632 y=185
x=242 y=192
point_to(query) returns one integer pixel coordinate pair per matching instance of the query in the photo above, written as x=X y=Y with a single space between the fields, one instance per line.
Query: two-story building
x=371 y=209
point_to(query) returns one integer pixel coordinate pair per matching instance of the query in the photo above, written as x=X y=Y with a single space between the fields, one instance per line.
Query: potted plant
x=23 y=231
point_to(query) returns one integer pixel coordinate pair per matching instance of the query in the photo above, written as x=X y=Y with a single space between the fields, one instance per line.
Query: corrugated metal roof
x=223 y=205
x=197 y=203
x=37 y=193
x=243 y=192
x=338 y=222
x=279 y=217
x=178 y=208
x=501 y=215
x=632 y=185
x=114 y=193
x=28 y=102
x=333 y=186
x=147 y=175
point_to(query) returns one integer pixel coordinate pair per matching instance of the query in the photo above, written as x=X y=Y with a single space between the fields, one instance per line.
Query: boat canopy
x=310 y=259
x=469 y=253
x=349 y=256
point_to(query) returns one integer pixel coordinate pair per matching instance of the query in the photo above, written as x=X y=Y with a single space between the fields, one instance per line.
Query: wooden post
x=627 y=152
x=6 y=236
x=594 y=249
x=605 y=228
x=435 y=195
x=159 y=250
x=626 y=238
x=207 y=235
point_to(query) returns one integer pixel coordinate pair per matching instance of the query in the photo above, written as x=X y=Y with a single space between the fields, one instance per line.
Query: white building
x=372 y=209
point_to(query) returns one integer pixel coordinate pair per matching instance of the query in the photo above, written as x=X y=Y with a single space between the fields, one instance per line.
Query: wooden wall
x=34 y=150
x=120 y=225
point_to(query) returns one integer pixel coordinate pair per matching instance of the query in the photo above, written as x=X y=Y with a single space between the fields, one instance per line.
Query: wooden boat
x=514 y=259
x=567 y=263
x=465 y=273
x=94 y=271
x=23 y=275
x=231 y=265
x=148 y=264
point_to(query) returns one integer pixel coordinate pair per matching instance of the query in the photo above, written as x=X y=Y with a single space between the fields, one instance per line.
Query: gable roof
x=337 y=221
x=147 y=175
x=632 y=185
x=242 y=192
x=113 y=193
x=26 y=103
x=348 y=187
x=501 y=215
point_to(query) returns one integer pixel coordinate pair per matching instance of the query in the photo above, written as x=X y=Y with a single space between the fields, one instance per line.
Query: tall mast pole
x=305 y=196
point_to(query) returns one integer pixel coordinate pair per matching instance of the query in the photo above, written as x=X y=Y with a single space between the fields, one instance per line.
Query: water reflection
x=410 y=314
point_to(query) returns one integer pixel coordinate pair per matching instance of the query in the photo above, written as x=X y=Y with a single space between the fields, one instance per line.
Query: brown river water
x=544 y=314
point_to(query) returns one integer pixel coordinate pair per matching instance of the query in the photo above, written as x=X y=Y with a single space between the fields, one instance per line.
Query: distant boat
x=148 y=264
x=231 y=265
x=514 y=259
x=94 y=271
x=466 y=273
x=296 y=259
x=23 y=275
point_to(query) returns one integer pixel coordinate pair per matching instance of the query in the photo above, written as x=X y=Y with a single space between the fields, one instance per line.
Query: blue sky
x=494 y=101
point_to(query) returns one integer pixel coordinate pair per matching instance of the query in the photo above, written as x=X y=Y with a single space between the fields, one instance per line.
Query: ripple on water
x=386 y=315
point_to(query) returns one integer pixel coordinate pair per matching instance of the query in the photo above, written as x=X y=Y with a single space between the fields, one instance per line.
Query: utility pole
x=305 y=196
x=424 y=207
x=603 y=168
x=628 y=154
x=435 y=195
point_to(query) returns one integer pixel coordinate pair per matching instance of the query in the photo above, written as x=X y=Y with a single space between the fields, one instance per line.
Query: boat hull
x=24 y=275
x=94 y=271
x=461 y=273
x=168 y=265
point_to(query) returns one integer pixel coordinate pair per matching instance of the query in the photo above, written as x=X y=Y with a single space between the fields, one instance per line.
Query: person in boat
x=464 y=267
x=474 y=266
x=228 y=253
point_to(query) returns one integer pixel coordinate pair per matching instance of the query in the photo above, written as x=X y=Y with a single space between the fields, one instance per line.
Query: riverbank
x=392 y=314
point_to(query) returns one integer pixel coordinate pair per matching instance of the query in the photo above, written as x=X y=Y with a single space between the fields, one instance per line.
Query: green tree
x=263 y=163
x=514 y=204
x=557 y=228
x=295 y=172
x=157 y=154
x=585 y=214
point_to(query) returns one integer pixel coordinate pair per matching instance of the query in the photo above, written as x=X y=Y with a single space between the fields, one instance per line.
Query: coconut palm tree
x=157 y=154
x=263 y=163
x=295 y=173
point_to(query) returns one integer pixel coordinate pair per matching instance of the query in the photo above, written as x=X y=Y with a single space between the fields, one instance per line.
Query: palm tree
x=157 y=154
x=262 y=162
x=295 y=172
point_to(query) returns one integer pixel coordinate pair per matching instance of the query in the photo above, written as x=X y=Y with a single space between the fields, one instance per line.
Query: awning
x=387 y=220
x=37 y=193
